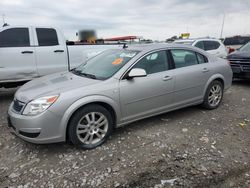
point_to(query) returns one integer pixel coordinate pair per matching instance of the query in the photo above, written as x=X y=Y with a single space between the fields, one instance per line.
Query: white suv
x=212 y=46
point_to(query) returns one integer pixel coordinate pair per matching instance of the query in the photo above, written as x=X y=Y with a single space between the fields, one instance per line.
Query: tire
x=213 y=95
x=90 y=126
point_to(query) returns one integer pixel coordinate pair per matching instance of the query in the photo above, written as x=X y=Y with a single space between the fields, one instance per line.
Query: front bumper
x=41 y=129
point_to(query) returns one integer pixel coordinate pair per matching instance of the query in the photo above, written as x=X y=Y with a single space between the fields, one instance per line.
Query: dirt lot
x=191 y=147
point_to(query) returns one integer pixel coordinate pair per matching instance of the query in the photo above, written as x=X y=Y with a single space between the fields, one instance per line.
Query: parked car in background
x=115 y=88
x=30 y=52
x=212 y=46
x=240 y=62
x=235 y=42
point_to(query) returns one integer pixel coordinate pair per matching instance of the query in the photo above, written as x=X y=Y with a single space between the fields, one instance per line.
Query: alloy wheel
x=92 y=128
x=215 y=95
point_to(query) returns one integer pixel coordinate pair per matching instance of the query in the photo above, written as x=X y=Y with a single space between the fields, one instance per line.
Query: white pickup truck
x=30 y=52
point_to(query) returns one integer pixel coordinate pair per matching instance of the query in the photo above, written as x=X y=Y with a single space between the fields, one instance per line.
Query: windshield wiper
x=77 y=72
x=89 y=75
x=80 y=73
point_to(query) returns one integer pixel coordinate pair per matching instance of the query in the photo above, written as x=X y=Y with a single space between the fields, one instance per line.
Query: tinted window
x=184 y=58
x=153 y=63
x=46 y=37
x=211 y=45
x=238 y=40
x=200 y=45
x=16 y=37
x=201 y=58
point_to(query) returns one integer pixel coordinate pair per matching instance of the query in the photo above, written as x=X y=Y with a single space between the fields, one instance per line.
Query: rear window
x=15 y=37
x=46 y=37
x=211 y=45
x=238 y=40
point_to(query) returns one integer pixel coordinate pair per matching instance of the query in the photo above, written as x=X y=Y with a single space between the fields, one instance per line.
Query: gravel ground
x=191 y=147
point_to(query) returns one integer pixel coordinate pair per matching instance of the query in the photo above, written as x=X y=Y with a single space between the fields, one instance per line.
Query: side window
x=200 y=45
x=184 y=58
x=46 y=37
x=153 y=63
x=15 y=37
x=201 y=58
x=211 y=45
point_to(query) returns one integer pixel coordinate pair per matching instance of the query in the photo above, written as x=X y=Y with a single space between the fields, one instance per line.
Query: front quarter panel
x=84 y=101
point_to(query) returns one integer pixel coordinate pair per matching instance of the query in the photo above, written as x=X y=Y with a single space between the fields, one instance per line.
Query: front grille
x=240 y=60
x=246 y=68
x=18 y=105
x=240 y=65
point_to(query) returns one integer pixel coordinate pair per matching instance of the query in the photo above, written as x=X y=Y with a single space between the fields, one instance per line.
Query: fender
x=84 y=101
x=212 y=78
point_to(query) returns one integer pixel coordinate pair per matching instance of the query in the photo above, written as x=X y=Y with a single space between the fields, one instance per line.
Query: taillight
x=230 y=50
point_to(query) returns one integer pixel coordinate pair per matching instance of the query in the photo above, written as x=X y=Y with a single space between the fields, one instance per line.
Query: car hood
x=52 y=85
x=239 y=55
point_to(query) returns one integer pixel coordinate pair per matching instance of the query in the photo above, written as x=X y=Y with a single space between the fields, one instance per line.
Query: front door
x=143 y=96
x=17 y=56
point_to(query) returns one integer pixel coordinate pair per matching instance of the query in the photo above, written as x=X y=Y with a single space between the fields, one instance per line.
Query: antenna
x=222 y=26
x=4 y=23
x=3 y=16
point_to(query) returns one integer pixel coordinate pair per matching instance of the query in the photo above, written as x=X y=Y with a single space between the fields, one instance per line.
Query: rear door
x=17 y=57
x=191 y=72
x=51 y=52
x=144 y=96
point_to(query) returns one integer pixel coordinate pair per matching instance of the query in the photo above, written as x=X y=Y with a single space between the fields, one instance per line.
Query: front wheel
x=90 y=126
x=213 y=95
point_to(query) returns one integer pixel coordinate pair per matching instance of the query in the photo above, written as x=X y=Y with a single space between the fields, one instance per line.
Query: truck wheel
x=90 y=126
x=213 y=95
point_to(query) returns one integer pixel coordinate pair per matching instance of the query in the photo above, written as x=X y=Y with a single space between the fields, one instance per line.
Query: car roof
x=196 y=39
x=155 y=46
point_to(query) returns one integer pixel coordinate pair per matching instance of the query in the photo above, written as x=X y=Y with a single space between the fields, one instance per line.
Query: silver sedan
x=115 y=88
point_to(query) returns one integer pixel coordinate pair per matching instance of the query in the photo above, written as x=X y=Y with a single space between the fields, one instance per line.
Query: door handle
x=166 y=78
x=56 y=51
x=27 y=52
x=205 y=70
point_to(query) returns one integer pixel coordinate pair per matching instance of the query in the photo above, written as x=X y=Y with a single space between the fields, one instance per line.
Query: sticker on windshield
x=128 y=54
x=117 y=61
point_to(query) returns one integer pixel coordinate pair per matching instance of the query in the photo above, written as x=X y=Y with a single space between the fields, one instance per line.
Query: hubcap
x=215 y=95
x=92 y=128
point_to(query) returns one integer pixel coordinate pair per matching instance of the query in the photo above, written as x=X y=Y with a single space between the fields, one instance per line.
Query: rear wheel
x=213 y=95
x=90 y=126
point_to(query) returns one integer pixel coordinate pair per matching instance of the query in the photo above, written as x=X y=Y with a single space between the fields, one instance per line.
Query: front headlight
x=39 y=105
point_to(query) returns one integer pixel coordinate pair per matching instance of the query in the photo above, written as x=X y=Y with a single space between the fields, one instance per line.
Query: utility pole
x=222 y=26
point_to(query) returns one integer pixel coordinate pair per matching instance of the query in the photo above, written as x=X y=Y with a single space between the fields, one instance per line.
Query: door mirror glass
x=137 y=72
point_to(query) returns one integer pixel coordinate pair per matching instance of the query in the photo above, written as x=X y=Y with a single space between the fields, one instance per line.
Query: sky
x=153 y=19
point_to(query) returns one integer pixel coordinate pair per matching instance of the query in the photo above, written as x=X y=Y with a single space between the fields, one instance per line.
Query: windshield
x=245 y=48
x=105 y=65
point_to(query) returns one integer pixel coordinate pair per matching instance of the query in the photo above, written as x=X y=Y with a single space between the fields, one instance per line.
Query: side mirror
x=136 y=72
